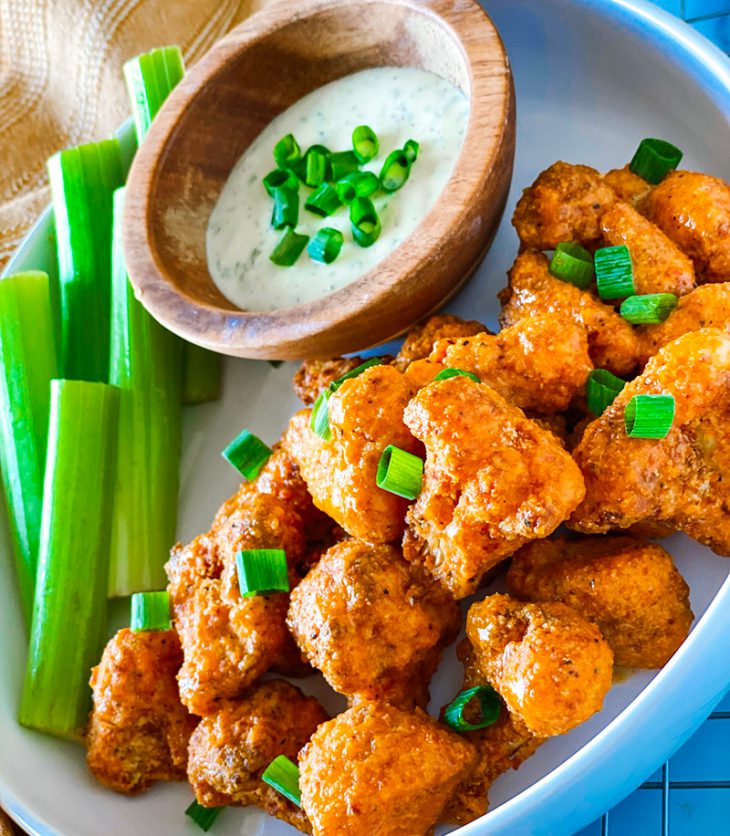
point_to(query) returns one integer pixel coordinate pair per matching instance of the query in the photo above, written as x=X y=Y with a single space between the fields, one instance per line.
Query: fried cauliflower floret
x=365 y=617
x=377 y=769
x=659 y=266
x=694 y=211
x=539 y=364
x=565 y=203
x=138 y=730
x=532 y=292
x=627 y=185
x=680 y=480
x=708 y=306
x=493 y=480
x=629 y=588
x=316 y=375
x=365 y=416
x=420 y=341
x=230 y=749
x=550 y=665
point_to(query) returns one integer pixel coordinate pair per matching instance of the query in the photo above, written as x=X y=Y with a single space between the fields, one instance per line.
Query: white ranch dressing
x=398 y=103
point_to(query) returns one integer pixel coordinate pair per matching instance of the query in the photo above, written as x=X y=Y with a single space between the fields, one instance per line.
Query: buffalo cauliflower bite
x=368 y=620
x=627 y=185
x=420 y=341
x=230 y=749
x=551 y=666
x=680 y=480
x=659 y=266
x=377 y=770
x=694 y=211
x=365 y=416
x=539 y=364
x=493 y=480
x=565 y=203
x=629 y=588
x=138 y=730
x=532 y=292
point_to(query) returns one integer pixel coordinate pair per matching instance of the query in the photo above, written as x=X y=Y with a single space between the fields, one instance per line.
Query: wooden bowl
x=257 y=71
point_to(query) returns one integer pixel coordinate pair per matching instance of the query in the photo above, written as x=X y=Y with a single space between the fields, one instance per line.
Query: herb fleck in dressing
x=399 y=103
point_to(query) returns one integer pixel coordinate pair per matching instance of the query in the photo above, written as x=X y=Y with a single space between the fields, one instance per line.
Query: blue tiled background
x=712 y=19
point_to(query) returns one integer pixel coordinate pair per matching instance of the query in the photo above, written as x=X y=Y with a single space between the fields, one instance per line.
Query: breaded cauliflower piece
x=365 y=416
x=377 y=769
x=532 y=292
x=659 y=266
x=493 y=480
x=420 y=340
x=565 y=203
x=694 y=211
x=366 y=618
x=550 y=665
x=681 y=480
x=627 y=185
x=539 y=364
x=230 y=749
x=629 y=588
x=138 y=729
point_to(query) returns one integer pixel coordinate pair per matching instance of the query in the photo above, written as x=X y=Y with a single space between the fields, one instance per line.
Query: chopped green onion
x=150 y=611
x=286 y=209
x=202 y=375
x=400 y=472
x=342 y=163
x=572 y=264
x=247 y=453
x=365 y=143
x=649 y=309
x=614 y=273
x=654 y=159
x=602 y=387
x=287 y=151
x=149 y=78
x=490 y=708
x=300 y=168
x=411 y=149
x=280 y=178
x=649 y=416
x=319 y=420
x=357 y=184
x=316 y=168
x=356 y=372
x=326 y=245
x=289 y=248
x=395 y=171
x=323 y=201
x=447 y=373
x=364 y=221
x=203 y=816
x=283 y=775
x=262 y=572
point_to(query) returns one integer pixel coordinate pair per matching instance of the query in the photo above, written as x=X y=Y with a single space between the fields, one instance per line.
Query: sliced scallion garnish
x=654 y=159
x=365 y=222
x=247 y=453
x=319 y=420
x=411 y=149
x=283 y=775
x=395 y=171
x=323 y=201
x=150 y=611
x=316 y=168
x=280 y=178
x=365 y=143
x=342 y=163
x=262 y=572
x=287 y=151
x=203 y=816
x=286 y=209
x=572 y=264
x=326 y=245
x=614 y=273
x=447 y=373
x=357 y=184
x=649 y=309
x=288 y=248
x=602 y=387
x=356 y=372
x=489 y=707
x=649 y=416
x=400 y=472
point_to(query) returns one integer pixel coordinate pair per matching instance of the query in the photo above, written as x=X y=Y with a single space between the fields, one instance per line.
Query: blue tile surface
x=698 y=8
x=717 y=29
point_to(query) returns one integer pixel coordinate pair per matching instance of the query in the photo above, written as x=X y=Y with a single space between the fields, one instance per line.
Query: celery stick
x=82 y=181
x=69 y=608
x=28 y=362
x=146 y=365
x=202 y=374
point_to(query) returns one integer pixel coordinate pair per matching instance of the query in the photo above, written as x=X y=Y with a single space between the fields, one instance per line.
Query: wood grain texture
x=248 y=78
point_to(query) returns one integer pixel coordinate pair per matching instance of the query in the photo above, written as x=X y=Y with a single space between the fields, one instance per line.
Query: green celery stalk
x=146 y=365
x=83 y=180
x=150 y=77
x=28 y=362
x=69 y=608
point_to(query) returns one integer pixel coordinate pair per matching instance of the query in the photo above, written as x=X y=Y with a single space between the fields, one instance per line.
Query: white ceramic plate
x=592 y=78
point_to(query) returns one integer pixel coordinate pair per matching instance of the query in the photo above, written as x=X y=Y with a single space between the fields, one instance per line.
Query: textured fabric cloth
x=61 y=80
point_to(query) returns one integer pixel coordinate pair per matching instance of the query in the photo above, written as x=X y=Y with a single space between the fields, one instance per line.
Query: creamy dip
x=398 y=103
